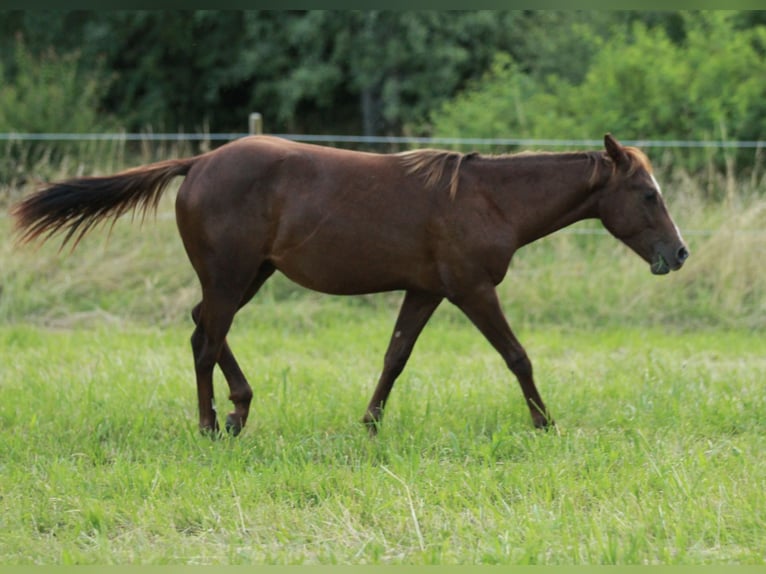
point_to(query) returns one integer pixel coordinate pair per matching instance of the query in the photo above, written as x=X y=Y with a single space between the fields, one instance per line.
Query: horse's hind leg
x=240 y=392
x=214 y=316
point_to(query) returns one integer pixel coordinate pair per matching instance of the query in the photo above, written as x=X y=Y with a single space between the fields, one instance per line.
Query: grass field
x=657 y=385
x=657 y=458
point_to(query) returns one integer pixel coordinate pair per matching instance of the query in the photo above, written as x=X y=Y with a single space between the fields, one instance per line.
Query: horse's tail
x=76 y=205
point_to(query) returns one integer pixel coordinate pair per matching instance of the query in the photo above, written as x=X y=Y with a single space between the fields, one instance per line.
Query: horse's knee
x=243 y=395
x=521 y=366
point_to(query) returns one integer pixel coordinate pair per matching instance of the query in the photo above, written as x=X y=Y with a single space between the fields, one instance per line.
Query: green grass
x=657 y=457
x=656 y=385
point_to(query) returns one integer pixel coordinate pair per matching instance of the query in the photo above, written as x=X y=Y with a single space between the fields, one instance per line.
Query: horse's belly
x=362 y=243
x=352 y=269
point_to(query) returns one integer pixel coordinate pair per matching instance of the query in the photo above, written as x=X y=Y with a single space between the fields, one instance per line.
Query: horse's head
x=633 y=210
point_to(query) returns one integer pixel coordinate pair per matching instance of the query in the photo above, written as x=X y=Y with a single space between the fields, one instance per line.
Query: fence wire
x=371 y=140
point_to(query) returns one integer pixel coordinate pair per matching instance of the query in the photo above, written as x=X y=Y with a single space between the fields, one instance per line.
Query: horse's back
x=333 y=220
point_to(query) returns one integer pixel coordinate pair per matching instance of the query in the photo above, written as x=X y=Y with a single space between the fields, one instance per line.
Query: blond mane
x=432 y=164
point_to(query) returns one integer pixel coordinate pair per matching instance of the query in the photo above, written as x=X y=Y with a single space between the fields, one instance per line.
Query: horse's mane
x=432 y=164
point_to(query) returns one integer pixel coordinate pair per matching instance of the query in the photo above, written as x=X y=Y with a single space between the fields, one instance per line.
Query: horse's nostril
x=682 y=254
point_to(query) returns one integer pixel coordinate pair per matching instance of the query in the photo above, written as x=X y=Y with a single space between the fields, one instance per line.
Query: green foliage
x=46 y=93
x=640 y=74
x=379 y=69
x=561 y=43
x=640 y=85
x=170 y=67
x=405 y=63
x=317 y=70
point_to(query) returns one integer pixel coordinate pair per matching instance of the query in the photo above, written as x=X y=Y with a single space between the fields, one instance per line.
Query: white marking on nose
x=397 y=334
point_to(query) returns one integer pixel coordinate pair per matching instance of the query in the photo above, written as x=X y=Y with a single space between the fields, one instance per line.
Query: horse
x=434 y=224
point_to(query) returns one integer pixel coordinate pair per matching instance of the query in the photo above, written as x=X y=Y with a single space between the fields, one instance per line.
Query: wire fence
x=374 y=140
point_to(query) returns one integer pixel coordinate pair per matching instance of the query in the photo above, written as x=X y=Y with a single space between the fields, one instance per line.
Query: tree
x=323 y=71
x=382 y=69
x=376 y=72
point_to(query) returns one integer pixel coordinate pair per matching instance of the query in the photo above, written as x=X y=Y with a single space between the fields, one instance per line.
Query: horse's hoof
x=544 y=423
x=233 y=424
x=212 y=432
x=373 y=426
x=550 y=426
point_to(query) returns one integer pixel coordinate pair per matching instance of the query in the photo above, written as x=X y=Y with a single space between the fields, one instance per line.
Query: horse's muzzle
x=661 y=265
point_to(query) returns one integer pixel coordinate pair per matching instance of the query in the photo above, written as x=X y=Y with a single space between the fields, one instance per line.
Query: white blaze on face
x=659 y=191
x=656 y=185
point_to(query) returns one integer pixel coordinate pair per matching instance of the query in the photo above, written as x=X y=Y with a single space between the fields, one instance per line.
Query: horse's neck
x=543 y=193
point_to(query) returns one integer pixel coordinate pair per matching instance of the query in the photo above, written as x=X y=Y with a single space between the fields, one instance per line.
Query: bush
x=44 y=94
x=640 y=85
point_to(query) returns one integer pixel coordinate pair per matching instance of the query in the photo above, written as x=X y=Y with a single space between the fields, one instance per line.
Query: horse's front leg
x=416 y=309
x=482 y=307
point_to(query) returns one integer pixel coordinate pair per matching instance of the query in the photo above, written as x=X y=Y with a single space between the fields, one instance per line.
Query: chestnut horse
x=435 y=224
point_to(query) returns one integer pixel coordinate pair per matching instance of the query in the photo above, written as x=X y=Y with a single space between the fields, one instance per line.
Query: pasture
x=656 y=385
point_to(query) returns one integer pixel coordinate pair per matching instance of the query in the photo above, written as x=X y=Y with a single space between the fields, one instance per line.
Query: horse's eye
x=651 y=196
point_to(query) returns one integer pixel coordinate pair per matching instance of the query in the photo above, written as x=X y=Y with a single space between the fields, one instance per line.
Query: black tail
x=78 y=204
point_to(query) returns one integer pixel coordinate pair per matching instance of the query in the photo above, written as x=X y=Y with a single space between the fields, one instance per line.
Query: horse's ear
x=615 y=151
